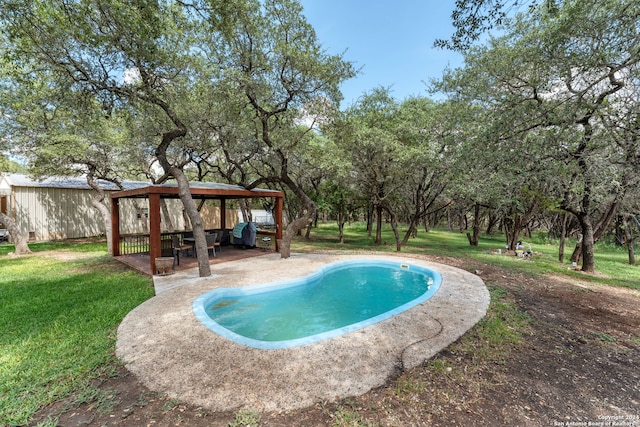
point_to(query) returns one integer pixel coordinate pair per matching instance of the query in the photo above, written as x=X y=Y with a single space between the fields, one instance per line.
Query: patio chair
x=211 y=242
x=179 y=247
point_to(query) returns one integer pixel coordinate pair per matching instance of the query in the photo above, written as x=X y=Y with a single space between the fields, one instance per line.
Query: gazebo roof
x=198 y=190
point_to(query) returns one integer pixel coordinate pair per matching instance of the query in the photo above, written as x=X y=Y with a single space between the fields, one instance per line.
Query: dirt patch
x=66 y=256
x=578 y=364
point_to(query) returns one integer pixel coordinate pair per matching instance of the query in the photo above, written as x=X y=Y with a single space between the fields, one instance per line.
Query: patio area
x=170 y=351
x=141 y=262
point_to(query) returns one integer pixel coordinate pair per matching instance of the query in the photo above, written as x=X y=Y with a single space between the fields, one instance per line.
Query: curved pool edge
x=200 y=304
x=170 y=351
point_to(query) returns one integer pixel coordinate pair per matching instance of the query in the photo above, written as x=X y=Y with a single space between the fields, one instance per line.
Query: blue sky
x=391 y=41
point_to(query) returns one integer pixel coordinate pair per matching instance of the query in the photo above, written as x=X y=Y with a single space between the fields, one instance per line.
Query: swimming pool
x=338 y=298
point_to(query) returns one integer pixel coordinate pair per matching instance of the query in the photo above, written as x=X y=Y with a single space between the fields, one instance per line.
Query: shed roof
x=199 y=190
x=64 y=182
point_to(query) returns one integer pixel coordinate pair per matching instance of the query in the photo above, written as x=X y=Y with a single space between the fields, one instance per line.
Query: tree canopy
x=170 y=64
x=541 y=120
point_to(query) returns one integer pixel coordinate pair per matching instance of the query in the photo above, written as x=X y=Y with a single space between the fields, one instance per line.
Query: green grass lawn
x=612 y=263
x=58 y=321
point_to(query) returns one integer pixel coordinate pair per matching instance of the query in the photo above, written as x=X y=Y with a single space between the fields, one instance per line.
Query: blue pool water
x=338 y=298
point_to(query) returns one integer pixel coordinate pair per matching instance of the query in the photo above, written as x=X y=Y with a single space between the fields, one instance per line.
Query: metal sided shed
x=54 y=207
x=199 y=191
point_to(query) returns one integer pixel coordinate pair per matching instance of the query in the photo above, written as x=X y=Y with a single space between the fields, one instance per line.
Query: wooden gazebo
x=199 y=191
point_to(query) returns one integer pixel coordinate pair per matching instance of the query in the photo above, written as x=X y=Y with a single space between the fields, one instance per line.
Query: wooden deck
x=227 y=253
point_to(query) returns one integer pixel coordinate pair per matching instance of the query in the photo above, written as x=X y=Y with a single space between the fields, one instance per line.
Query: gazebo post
x=223 y=213
x=155 y=244
x=278 y=220
x=115 y=226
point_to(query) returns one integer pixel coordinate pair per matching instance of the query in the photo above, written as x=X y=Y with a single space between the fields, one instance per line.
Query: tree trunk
x=493 y=220
x=512 y=232
x=341 y=220
x=596 y=233
x=184 y=192
x=584 y=247
x=514 y=238
x=19 y=240
x=411 y=232
x=416 y=216
x=394 y=227
x=307 y=234
x=244 y=210
x=167 y=216
x=378 y=225
x=629 y=238
x=369 y=221
x=473 y=240
x=462 y=219
x=588 y=259
x=185 y=218
x=97 y=201
x=204 y=269
x=563 y=236
x=607 y=218
x=620 y=234
x=291 y=230
x=300 y=223
x=576 y=255
x=341 y=223
x=519 y=223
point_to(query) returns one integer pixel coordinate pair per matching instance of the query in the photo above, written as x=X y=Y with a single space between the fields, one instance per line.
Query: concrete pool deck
x=171 y=351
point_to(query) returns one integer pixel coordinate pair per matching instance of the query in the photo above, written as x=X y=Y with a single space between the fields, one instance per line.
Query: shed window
x=144 y=212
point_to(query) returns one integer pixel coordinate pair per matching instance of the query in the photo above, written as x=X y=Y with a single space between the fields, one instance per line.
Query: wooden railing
x=131 y=244
x=134 y=244
x=138 y=244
